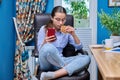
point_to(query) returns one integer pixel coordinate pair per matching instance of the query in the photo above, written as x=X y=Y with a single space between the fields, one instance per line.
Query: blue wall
x=7 y=39
x=102 y=32
x=50 y=6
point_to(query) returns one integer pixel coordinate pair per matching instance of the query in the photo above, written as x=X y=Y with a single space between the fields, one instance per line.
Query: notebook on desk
x=114 y=50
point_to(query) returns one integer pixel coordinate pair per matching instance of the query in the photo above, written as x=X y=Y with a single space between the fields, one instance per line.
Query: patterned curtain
x=25 y=11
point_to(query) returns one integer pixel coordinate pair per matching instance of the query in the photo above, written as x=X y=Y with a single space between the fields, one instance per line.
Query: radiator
x=85 y=36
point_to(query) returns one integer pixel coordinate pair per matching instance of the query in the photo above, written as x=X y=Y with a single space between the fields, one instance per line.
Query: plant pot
x=115 y=38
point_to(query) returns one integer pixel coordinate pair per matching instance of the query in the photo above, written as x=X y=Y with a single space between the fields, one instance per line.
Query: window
x=80 y=11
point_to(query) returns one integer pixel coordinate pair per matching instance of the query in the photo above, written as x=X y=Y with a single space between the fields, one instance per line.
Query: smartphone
x=50 y=32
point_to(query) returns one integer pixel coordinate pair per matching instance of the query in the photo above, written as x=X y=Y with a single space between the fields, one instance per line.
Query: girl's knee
x=47 y=48
x=87 y=59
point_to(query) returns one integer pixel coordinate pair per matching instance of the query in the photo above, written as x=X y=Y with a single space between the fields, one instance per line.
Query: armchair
x=69 y=50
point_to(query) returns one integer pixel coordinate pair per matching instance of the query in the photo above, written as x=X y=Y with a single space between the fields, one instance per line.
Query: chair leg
x=36 y=70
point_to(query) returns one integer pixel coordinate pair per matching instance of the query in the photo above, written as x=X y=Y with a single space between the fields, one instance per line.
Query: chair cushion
x=81 y=75
x=84 y=76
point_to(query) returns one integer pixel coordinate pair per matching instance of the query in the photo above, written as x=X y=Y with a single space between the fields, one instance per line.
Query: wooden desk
x=108 y=63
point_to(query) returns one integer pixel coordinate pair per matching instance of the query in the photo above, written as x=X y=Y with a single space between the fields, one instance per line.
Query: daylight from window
x=80 y=10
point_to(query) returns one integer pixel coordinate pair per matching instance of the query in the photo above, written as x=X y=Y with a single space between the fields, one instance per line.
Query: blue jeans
x=50 y=59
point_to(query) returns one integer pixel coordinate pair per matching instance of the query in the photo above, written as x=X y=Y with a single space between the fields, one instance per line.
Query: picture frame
x=113 y=3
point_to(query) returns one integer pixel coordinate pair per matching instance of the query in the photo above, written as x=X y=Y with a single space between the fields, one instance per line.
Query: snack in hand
x=63 y=29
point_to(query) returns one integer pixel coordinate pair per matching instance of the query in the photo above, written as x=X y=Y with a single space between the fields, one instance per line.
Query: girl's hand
x=70 y=29
x=50 y=38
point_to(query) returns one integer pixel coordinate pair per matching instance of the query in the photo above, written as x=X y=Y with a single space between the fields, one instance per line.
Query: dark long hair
x=56 y=9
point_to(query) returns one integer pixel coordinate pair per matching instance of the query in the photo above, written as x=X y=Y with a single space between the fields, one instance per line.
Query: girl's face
x=58 y=20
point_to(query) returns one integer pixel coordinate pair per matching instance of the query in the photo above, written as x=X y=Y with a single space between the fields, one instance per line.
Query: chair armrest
x=81 y=51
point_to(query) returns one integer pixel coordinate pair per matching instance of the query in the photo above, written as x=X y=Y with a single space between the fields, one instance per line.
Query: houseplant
x=80 y=12
x=79 y=9
x=111 y=21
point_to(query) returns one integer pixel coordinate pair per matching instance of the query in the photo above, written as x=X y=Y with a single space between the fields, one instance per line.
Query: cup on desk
x=108 y=44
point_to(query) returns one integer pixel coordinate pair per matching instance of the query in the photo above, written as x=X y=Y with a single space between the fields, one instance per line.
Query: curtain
x=25 y=11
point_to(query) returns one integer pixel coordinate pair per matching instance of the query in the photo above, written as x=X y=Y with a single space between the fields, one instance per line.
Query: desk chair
x=69 y=50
